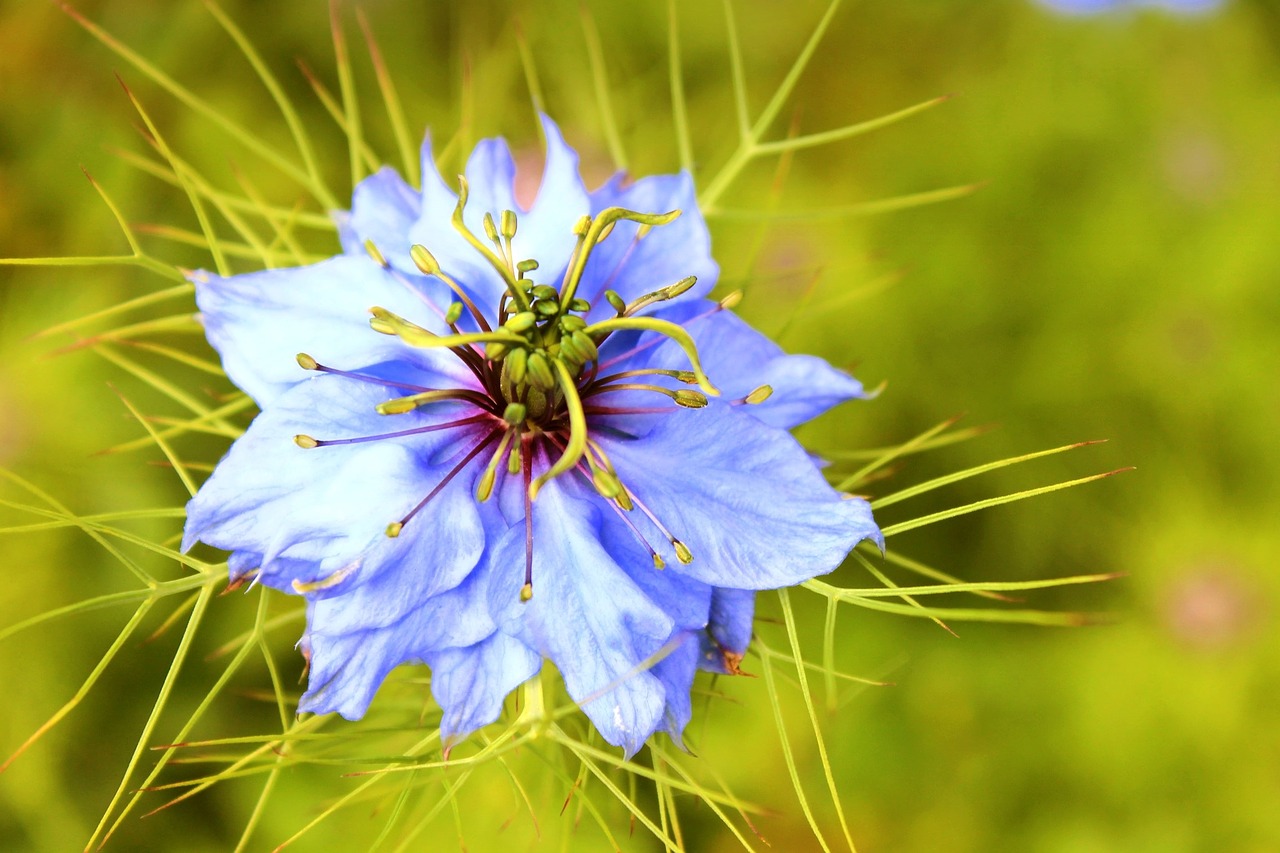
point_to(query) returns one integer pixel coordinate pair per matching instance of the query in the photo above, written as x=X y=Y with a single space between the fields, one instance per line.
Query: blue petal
x=259 y=322
x=667 y=254
x=738 y=359
x=676 y=672
x=729 y=631
x=587 y=615
x=383 y=209
x=544 y=232
x=470 y=683
x=744 y=496
x=347 y=666
x=317 y=514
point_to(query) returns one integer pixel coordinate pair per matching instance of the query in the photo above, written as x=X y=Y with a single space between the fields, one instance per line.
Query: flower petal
x=383 y=209
x=739 y=359
x=729 y=631
x=259 y=322
x=321 y=514
x=471 y=683
x=744 y=497
x=587 y=615
x=633 y=267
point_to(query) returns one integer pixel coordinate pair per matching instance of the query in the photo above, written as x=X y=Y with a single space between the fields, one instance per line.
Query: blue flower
x=1088 y=7
x=521 y=455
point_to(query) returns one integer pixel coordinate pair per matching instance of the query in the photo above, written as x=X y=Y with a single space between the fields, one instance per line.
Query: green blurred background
x=1116 y=277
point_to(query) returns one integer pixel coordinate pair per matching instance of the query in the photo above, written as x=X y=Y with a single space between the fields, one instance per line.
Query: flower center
x=537 y=364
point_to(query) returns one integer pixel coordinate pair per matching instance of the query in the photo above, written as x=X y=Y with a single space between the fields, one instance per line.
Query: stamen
x=327 y=582
x=404 y=405
x=499 y=264
x=375 y=254
x=653 y=342
x=682 y=550
x=662 y=327
x=526 y=450
x=427 y=263
x=756 y=397
x=682 y=396
x=661 y=295
x=598 y=230
x=306 y=362
x=394 y=528
x=306 y=441
x=484 y=487
x=415 y=336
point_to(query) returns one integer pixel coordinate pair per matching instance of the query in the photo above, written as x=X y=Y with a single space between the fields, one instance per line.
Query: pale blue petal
x=738 y=359
x=308 y=514
x=471 y=683
x=383 y=209
x=348 y=666
x=259 y=322
x=729 y=631
x=676 y=672
x=666 y=255
x=744 y=496
x=587 y=616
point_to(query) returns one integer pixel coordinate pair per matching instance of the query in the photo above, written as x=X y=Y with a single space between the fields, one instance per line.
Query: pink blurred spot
x=1211 y=607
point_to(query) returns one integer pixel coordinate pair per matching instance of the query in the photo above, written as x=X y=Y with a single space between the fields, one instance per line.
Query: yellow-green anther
x=419 y=337
x=658 y=562
x=484 y=488
x=526 y=593
x=686 y=376
x=539 y=371
x=546 y=307
x=517 y=363
x=605 y=232
x=403 y=405
x=616 y=301
x=580 y=305
x=490 y=230
x=496 y=350
x=731 y=300
x=424 y=260
x=643 y=231
x=394 y=528
x=572 y=323
x=545 y=291
x=576 y=446
x=453 y=313
x=606 y=484
x=521 y=322
x=662 y=327
x=582 y=226
x=689 y=399
x=662 y=294
x=306 y=442
x=682 y=551
x=306 y=362
x=515 y=413
x=583 y=343
x=758 y=396
x=527 y=266
x=325 y=583
x=513 y=460
x=624 y=500
x=372 y=249
x=508 y=224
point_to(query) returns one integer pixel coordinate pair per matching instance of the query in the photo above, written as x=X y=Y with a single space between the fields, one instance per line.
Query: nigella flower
x=491 y=436
x=1086 y=7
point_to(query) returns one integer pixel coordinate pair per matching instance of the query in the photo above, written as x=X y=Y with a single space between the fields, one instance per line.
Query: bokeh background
x=1116 y=276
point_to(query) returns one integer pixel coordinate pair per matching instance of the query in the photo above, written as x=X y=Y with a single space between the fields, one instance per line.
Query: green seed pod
x=582 y=306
